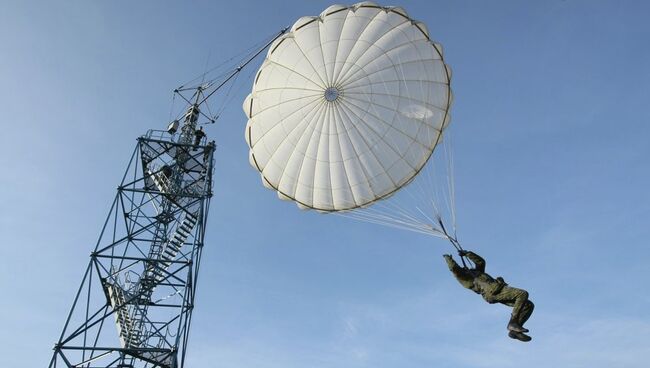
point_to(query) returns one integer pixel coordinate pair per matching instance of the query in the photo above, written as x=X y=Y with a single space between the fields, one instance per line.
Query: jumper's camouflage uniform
x=494 y=291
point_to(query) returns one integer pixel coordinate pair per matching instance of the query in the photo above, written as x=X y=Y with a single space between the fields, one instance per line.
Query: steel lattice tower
x=134 y=305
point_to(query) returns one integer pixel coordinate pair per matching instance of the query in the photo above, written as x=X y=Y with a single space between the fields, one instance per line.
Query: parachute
x=347 y=109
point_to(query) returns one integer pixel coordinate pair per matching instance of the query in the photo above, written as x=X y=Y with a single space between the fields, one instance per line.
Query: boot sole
x=519 y=336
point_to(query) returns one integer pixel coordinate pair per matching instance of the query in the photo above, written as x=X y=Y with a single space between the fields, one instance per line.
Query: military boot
x=516 y=327
x=519 y=336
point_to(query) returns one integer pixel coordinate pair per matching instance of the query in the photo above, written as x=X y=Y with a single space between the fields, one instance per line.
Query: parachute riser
x=453 y=241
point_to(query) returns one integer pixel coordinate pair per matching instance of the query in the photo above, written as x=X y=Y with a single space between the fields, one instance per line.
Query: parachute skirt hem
x=308 y=145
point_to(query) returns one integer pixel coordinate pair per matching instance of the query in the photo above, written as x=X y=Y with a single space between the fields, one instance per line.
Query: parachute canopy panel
x=347 y=107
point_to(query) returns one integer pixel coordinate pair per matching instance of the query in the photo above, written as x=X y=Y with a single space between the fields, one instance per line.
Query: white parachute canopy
x=347 y=107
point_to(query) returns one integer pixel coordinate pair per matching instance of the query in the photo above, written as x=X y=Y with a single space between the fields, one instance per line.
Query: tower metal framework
x=134 y=305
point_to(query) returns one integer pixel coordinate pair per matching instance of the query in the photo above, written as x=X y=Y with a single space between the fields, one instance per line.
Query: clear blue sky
x=552 y=148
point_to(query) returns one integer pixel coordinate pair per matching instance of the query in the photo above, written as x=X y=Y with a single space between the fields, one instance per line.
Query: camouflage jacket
x=475 y=278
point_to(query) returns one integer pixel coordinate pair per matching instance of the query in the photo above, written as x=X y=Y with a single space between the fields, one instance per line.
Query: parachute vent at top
x=347 y=107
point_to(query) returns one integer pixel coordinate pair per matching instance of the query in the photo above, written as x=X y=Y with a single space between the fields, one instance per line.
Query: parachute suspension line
x=448 y=152
x=405 y=222
x=391 y=213
x=440 y=192
x=394 y=216
x=451 y=200
x=420 y=205
x=431 y=197
x=391 y=222
x=434 y=190
x=402 y=210
x=412 y=218
x=429 y=184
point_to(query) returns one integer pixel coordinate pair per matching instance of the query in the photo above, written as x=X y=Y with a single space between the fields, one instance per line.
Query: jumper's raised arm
x=479 y=262
x=462 y=274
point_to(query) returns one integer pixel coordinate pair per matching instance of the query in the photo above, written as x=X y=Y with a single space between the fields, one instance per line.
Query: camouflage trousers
x=522 y=308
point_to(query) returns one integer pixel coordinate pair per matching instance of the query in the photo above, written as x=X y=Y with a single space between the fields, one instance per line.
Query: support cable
x=241 y=66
